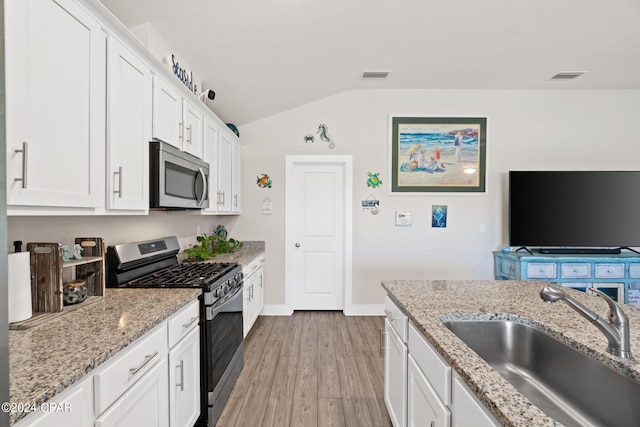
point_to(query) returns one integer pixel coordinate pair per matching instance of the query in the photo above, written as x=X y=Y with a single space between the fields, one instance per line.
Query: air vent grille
x=568 y=75
x=376 y=75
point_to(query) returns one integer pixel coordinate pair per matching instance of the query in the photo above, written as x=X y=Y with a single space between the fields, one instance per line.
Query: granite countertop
x=46 y=359
x=249 y=251
x=427 y=302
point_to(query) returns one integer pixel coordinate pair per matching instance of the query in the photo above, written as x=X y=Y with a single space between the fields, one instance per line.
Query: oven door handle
x=211 y=312
x=204 y=187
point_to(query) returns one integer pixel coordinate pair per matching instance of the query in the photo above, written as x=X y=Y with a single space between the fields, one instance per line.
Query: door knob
x=297 y=245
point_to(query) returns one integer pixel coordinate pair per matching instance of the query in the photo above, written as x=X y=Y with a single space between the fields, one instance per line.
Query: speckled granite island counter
x=46 y=359
x=427 y=302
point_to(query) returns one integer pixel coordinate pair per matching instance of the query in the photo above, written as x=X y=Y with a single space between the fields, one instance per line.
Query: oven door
x=178 y=180
x=224 y=338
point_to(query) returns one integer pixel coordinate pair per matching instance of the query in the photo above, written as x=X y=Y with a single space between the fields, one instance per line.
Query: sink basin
x=567 y=385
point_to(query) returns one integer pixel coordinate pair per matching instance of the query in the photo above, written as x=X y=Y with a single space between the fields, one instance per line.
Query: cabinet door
x=395 y=376
x=192 y=138
x=129 y=124
x=167 y=113
x=143 y=405
x=235 y=177
x=248 y=305
x=210 y=155
x=424 y=407
x=71 y=408
x=259 y=290
x=466 y=408
x=225 y=168
x=184 y=381
x=55 y=104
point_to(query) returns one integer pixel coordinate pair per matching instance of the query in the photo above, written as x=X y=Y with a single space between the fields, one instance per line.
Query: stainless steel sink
x=567 y=385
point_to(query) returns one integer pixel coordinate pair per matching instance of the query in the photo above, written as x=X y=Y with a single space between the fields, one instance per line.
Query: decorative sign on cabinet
x=616 y=275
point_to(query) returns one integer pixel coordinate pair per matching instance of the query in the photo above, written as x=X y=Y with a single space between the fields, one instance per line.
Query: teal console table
x=616 y=275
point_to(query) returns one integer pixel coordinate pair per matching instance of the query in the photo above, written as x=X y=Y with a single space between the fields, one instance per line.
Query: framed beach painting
x=438 y=154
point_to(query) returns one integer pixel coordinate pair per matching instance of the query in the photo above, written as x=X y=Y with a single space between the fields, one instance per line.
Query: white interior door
x=316 y=217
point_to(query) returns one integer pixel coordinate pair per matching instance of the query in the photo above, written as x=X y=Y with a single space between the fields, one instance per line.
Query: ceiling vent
x=374 y=75
x=569 y=75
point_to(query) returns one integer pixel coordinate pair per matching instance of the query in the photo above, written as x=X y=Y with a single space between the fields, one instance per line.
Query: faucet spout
x=615 y=328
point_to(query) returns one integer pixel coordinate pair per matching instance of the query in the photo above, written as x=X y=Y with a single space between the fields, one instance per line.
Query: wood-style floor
x=314 y=368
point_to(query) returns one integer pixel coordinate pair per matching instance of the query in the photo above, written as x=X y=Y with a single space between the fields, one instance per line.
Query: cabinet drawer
x=609 y=271
x=541 y=270
x=128 y=367
x=575 y=270
x=431 y=363
x=182 y=322
x=634 y=270
x=424 y=407
x=396 y=318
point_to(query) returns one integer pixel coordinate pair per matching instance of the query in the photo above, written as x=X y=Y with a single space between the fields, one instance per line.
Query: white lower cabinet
x=395 y=376
x=424 y=408
x=253 y=293
x=154 y=382
x=184 y=367
x=466 y=408
x=71 y=408
x=145 y=404
x=420 y=388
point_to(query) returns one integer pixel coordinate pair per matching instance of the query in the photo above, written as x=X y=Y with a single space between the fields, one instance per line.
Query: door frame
x=346 y=162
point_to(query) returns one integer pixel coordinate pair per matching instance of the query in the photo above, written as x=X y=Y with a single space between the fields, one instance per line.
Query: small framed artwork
x=438 y=154
x=439 y=216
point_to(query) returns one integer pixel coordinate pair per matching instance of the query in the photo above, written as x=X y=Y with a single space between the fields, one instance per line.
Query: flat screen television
x=574 y=211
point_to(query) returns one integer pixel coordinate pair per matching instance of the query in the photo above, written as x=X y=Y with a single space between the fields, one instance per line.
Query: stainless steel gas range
x=154 y=264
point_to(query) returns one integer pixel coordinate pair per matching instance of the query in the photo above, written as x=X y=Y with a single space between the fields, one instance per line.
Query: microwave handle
x=204 y=187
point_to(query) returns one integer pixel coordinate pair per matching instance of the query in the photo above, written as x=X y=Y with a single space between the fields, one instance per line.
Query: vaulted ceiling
x=263 y=57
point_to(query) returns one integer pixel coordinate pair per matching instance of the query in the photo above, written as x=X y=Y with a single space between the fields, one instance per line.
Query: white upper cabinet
x=193 y=118
x=211 y=134
x=129 y=130
x=55 y=98
x=225 y=169
x=167 y=113
x=176 y=120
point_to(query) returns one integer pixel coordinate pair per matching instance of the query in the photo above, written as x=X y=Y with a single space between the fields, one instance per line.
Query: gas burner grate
x=183 y=275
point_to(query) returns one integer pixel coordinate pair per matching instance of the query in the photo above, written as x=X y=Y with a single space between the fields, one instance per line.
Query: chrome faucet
x=616 y=329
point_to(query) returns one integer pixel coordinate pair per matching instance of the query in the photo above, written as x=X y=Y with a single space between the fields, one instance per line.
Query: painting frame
x=424 y=156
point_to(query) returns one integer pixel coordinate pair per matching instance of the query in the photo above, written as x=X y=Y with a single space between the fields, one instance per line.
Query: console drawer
x=609 y=271
x=634 y=270
x=541 y=270
x=575 y=270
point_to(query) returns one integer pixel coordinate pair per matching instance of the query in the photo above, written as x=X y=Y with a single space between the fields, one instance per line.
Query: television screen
x=597 y=209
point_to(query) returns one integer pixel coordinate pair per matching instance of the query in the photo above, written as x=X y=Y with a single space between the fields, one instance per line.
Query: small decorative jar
x=74 y=292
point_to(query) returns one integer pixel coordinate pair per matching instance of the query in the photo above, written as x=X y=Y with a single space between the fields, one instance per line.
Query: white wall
x=527 y=130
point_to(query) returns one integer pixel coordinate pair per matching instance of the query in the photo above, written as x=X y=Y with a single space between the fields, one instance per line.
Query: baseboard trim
x=364 y=310
x=276 y=310
x=353 y=310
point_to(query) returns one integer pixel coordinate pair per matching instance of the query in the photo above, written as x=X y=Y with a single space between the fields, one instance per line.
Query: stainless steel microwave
x=178 y=180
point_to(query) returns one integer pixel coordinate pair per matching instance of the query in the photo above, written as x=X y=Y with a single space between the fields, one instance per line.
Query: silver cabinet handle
x=261 y=280
x=382 y=340
x=147 y=359
x=25 y=160
x=119 y=190
x=222 y=198
x=190 y=322
x=181 y=131
x=181 y=366
x=235 y=198
x=189 y=134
